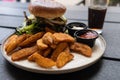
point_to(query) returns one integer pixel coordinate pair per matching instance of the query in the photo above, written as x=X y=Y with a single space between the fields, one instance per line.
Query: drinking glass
x=97 y=12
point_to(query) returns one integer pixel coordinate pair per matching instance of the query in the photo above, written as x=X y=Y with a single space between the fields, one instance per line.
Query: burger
x=44 y=14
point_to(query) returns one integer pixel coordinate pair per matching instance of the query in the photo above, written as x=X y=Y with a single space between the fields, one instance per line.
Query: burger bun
x=46 y=8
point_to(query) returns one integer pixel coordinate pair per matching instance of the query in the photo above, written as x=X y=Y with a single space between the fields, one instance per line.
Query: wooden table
x=107 y=68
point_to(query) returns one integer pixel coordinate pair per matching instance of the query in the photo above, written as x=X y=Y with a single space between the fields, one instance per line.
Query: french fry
x=42 y=61
x=63 y=59
x=60 y=47
x=31 y=39
x=23 y=53
x=81 y=48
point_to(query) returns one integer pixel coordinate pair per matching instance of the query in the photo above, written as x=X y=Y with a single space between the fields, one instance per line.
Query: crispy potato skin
x=14 y=41
x=62 y=37
x=41 y=45
x=67 y=49
x=81 y=48
x=42 y=61
x=47 y=38
x=63 y=59
x=47 y=52
x=10 y=40
x=60 y=47
x=21 y=38
x=23 y=53
x=31 y=39
x=11 y=44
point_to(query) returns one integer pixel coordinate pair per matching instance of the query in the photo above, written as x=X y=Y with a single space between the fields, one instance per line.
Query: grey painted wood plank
x=13 y=4
x=111 y=33
x=4 y=33
x=8 y=21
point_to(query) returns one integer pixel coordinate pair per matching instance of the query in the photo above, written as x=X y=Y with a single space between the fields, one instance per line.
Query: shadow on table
x=85 y=74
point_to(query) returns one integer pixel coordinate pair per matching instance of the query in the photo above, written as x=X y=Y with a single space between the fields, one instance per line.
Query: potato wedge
x=63 y=59
x=67 y=49
x=23 y=53
x=31 y=39
x=47 y=52
x=9 y=40
x=11 y=44
x=81 y=48
x=42 y=61
x=21 y=38
x=41 y=45
x=62 y=37
x=47 y=38
x=60 y=47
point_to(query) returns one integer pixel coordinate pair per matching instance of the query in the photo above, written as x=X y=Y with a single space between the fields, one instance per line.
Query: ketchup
x=88 y=35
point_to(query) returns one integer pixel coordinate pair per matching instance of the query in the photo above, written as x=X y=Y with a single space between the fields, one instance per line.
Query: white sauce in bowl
x=77 y=28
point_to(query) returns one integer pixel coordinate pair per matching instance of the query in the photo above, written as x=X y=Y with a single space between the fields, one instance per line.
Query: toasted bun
x=46 y=8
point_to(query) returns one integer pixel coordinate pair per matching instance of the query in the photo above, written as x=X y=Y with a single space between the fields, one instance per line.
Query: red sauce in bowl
x=88 y=35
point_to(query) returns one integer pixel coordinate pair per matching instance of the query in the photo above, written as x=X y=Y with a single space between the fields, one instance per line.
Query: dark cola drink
x=96 y=18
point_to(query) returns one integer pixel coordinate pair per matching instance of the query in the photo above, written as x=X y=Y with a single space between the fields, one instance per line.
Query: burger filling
x=34 y=24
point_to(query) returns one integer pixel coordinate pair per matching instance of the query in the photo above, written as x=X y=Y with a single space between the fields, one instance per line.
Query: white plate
x=79 y=62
